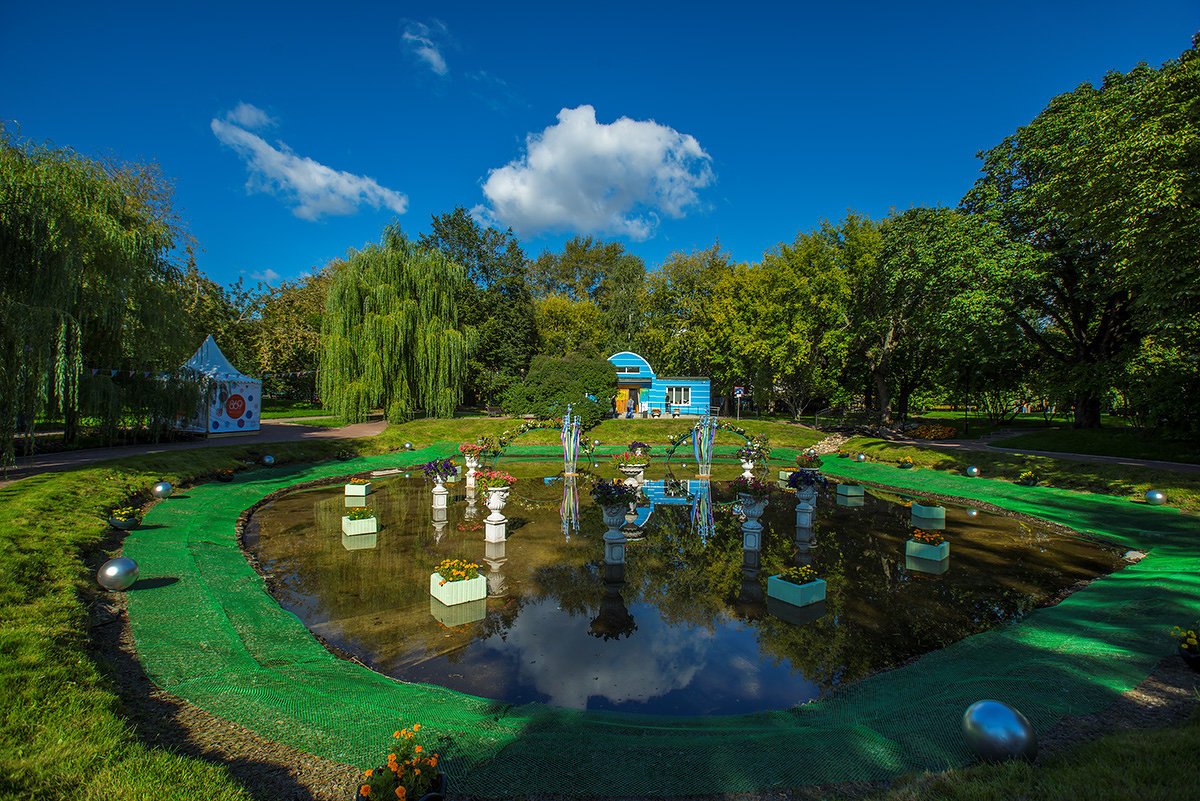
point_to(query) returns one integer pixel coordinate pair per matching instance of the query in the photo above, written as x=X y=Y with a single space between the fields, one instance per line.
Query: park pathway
x=273 y=431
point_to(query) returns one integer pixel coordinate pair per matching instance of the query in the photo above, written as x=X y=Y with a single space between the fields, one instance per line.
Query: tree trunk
x=1087 y=411
x=883 y=399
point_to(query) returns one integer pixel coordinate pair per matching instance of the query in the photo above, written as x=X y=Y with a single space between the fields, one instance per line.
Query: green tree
x=85 y=280
x=588 y=384
x=287 y=338
x=569 y=326
x=602 y=272
x=496 y=299
x=391 y=333
x=1104 y=188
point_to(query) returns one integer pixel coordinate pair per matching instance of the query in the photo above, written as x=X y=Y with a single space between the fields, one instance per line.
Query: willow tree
x=392 y=338
x=84 y=278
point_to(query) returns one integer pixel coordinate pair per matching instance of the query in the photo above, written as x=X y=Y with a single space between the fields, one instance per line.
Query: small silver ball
x=408 y=446
x=996 y=732
x=595 y=442
x=268 y=460
x=161 y=490
x=973 y=471
x=972 y=513
x=117 y=574
x=860 y=457
x=1156 y=497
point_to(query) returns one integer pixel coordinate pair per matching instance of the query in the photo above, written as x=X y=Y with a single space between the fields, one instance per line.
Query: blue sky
x=293 y=132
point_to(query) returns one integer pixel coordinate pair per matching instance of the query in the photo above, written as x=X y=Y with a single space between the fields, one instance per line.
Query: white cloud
x=314 y=189
x=421 y=39
x=249 y=116
x=268 y=275
x=587 y=177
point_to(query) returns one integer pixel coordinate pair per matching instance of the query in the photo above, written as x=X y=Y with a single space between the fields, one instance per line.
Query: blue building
x=651 y=393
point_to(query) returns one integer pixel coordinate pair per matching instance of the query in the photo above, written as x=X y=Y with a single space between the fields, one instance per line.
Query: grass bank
x=1183 y=489
x=1106 y=442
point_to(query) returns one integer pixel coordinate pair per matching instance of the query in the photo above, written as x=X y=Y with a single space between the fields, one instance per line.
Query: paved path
x=273 y=431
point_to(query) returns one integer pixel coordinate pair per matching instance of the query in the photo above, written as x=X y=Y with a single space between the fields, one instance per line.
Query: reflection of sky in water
x=658 y=669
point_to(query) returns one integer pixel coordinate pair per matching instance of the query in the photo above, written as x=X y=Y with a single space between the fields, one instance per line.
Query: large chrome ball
x=408 y=446
x=1156 y=497
x=860 y=457
x=117 y=574
x=973 y=471
x=997 y=732
x=161 y=490
x=268 y=460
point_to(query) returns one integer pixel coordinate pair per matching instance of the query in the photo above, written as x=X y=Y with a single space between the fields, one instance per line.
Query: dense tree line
x=1069 y=275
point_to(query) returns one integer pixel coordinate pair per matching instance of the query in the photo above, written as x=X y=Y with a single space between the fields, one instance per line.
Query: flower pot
x=356 y=490
x=124 y=525
x=457 y=592
x=436 y=793
x=753 y=506
x=796 y=594
x=921 y=550
x=368 y=525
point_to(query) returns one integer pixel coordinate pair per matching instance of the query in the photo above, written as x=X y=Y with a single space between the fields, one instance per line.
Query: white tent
x=231 y=400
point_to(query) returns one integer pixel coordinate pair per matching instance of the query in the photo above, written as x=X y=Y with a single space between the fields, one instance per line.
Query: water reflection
x=679 y=624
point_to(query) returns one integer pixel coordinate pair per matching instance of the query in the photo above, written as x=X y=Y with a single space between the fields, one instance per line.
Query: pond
x=684 y=627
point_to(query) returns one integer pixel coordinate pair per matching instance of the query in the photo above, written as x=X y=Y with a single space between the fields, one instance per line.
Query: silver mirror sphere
x=268 y=460
x=972 y=513
x=860 y=457
x=973 y=471
x=117 y=574
x=161 y=490
x=408 y=446
x=996 y=732
x=1156 y=497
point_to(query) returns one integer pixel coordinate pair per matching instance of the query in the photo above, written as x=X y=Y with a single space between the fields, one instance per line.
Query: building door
x=622 y=398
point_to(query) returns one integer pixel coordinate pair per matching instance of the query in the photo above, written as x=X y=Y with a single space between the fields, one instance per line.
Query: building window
x=679 y=396
x=629 y=370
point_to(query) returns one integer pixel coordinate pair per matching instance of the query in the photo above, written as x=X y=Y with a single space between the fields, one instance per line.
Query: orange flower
x=401 y=792
x=418 y=750
x=365 y=790
x=369 y=773
x=395 y=734
x=416 y=727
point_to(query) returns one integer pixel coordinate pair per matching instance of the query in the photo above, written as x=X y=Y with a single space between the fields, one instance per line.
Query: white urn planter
x=472 y=463
x=359 y=490
x=753 y=508
x=634 y=473
x=495 y=524
x=747 y=468
x=367 y=525
x=457 y=592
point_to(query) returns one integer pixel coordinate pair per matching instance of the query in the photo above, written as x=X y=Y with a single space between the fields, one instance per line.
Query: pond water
x=684 y=626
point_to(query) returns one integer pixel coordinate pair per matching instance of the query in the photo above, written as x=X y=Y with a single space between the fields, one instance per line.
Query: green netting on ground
x=207 y=631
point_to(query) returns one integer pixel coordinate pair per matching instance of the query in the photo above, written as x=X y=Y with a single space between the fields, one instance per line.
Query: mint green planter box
x=929 y=512
x=796 y=594
x=850 y=490
x=368 y=525
x=934 y=553
x=459 y=614
x=457 y=592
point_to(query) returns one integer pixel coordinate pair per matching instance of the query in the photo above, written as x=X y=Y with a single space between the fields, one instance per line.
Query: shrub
x=588 y=384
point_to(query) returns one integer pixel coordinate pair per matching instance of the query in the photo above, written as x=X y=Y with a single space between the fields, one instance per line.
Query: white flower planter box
x=929 y=512
x=796 y=594
x=934 y=553
x=850 y=490
x=457 y=592
x=359 y=489
x=360 y=542
x=459 y=614
x=369 y=525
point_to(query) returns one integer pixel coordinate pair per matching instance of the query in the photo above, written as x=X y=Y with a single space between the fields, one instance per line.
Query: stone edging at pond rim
x=217 y=639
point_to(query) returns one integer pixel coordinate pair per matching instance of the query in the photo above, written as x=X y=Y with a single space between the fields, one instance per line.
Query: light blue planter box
x=795 y=615
x=931 y=512
x=934 y=553
x=851 y=500
x=796 y=594
x=457 y=592
x=919 y=565
x=850 y=490
x=927 y=523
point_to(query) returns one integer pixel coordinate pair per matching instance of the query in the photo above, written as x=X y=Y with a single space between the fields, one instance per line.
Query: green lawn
x=1183 y=489
x=276 y=409
x=1145 y=765
x=976 y=424
x=62 y=734
x=1106 y=442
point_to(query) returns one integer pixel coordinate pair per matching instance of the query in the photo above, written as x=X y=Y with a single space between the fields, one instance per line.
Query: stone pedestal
x=495 y=556
x=495 y=525
x=440 y=493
